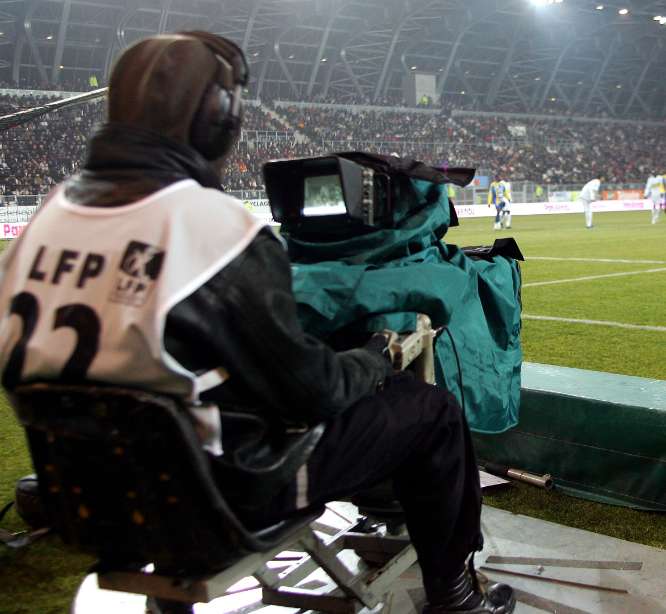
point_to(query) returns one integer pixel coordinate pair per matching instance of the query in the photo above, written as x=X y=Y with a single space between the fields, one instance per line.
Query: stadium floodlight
x=600 y=7
x=623 y=11
x=545 y=2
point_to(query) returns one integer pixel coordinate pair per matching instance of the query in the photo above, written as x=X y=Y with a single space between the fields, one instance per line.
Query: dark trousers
x=417 y=435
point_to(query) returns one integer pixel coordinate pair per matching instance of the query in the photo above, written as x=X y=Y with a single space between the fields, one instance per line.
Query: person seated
x=139 y=271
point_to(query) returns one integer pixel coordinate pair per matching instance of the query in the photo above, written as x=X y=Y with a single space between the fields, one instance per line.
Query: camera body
x=347 y=194
x=328 y=195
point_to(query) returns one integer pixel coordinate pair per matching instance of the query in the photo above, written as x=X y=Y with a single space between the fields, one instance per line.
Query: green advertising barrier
x=601 y=436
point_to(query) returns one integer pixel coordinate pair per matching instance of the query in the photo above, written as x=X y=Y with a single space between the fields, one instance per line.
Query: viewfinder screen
x=323 y=196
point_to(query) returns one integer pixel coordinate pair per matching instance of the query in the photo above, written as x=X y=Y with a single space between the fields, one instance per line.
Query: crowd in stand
x=38 y=154
x=544 y=151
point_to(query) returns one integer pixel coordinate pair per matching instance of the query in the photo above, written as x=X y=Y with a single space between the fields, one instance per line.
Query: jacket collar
x=125 y=164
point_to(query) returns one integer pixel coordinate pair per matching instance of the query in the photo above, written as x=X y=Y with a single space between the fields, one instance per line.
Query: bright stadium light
x=600 y=7
x=545 y=2
x=623 y=11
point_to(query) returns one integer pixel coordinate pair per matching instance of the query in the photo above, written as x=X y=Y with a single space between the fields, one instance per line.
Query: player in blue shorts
x=499 y=195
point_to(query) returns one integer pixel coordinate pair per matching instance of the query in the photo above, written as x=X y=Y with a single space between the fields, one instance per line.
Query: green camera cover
x=384 y=278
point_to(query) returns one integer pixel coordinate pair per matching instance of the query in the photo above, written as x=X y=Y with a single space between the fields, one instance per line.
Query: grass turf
x=43 y=577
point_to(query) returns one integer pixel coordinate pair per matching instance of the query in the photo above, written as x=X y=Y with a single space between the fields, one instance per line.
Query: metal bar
x=635 y=94
x=164 y=16
x=350 y=71
x=27 y=27
x=580 y=564
x=596 y=587
x=381 y=581
x=326 y=555
x=250 y=24
x=60 y=45
x=282 y=63
x=389 y=56
x=504 y=70
x=18 y=54
x=329 y=74
x=298 y=571
x=320 y=52
x=607 y=58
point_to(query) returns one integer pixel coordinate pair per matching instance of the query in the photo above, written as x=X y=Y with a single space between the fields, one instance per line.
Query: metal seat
x=122 y=476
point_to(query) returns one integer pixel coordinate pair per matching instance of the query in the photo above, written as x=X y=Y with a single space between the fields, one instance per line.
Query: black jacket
x=243 y=318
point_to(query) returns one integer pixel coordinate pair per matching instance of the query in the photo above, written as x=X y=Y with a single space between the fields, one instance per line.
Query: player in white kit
x=587 y=196
x=655 y=190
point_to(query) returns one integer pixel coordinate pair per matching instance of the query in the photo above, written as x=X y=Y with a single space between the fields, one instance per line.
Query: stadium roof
x=510 y=55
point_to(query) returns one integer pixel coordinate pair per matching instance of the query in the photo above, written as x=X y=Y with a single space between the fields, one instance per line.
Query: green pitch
x=601 y=291
x=606 y=311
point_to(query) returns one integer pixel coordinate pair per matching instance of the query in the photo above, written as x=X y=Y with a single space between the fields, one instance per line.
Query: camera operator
x=140 y=271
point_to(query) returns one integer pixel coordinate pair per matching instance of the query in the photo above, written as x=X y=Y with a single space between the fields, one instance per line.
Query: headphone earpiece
x=216 y=125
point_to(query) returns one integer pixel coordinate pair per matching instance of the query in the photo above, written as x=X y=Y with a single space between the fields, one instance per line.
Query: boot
x=498 y=226
x=464 y=596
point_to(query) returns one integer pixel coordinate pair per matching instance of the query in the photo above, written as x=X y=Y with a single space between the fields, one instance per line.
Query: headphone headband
x=230 y=54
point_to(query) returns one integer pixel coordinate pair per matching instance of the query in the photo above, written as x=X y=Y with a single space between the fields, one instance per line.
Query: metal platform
x=562 y=570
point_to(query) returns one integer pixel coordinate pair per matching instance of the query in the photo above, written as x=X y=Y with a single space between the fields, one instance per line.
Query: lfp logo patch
x=139 y=269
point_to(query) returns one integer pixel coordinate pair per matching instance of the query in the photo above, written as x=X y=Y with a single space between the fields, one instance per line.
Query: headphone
x=217 y=123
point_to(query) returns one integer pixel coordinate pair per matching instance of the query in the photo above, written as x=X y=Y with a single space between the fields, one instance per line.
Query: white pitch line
x=611 y=260
x=590 y=277
x=659 y=329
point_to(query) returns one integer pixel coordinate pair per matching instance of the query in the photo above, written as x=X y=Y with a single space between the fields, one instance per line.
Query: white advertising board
x=261 y=209
x=11 y=230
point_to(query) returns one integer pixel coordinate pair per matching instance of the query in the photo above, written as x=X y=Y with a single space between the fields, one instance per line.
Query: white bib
x=85 y=291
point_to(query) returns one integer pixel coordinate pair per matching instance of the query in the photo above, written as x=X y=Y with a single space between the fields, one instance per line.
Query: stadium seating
x=37 y=155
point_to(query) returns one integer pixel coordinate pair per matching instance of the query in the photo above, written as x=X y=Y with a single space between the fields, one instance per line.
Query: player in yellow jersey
x=499 y=195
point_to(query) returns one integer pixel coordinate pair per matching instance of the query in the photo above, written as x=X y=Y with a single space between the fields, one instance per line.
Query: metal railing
x=266 y=135
x=16 y=215
x=20 y=208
